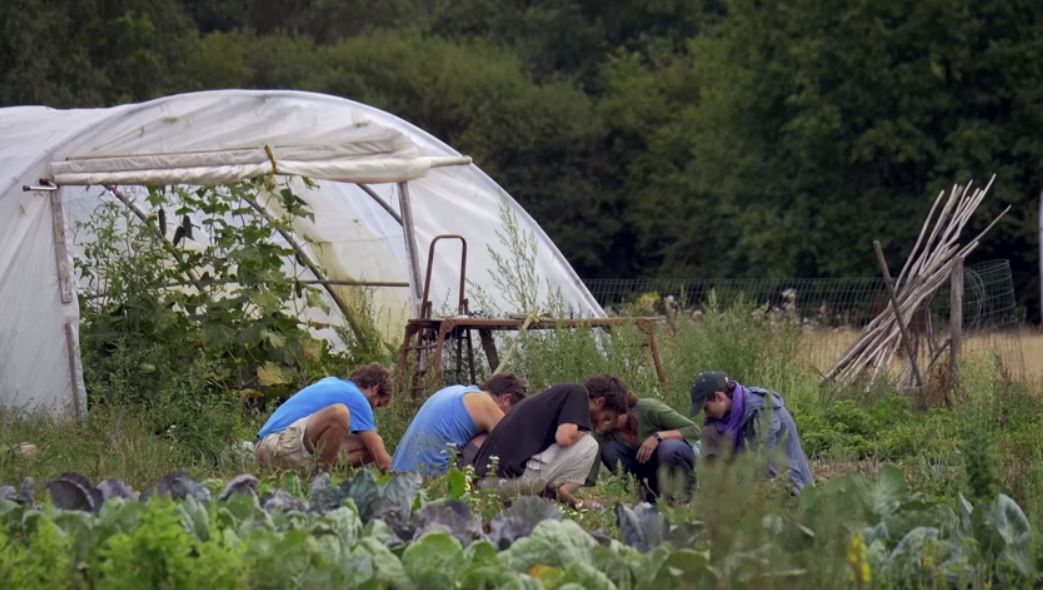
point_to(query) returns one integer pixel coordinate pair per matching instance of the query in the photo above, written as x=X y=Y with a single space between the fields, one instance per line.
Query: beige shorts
x=284 y=449
x=553 y=467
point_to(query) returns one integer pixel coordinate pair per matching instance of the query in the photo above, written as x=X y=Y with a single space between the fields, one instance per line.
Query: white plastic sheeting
x=216 y=137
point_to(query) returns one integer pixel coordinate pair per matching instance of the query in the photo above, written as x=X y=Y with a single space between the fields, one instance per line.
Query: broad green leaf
x=387 y=568
x=433 y=560
x=642 y=526
x=276 y=340
x=553 y=542
x=291 y=482
x=887 y=491
x=457 y=482
x=344 y=523
x=363 y=489
x=582 y=575
x=195 y=518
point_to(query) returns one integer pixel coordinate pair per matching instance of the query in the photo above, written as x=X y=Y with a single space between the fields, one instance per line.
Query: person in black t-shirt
x=543 y=445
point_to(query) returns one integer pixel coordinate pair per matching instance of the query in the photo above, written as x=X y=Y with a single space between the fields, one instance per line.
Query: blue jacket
x=767 y=422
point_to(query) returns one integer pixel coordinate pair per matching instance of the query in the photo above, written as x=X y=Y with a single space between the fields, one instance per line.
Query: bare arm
x=376 y=449
x=565 y=496
x=568 y=434
x=483 y=410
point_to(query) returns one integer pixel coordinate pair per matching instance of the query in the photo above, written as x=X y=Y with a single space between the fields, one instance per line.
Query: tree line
x=667 y=138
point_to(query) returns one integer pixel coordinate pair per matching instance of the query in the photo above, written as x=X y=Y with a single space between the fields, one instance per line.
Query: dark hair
x=612 y=389
x=372 y=374
x=503 y=383
x=730 y=389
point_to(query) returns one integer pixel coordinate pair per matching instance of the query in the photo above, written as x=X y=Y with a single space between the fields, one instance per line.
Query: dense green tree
x=670 y=138
x=539 y=140
x=67 y=53
x=820 y=127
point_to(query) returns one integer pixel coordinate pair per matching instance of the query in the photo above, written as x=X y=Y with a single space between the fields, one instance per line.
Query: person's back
x=326 y=422
x=530 y=428
x=319 y=395
x=767 y=411
x=442 y=421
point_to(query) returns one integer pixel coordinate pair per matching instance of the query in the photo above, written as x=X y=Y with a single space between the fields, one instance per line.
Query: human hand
x=644 y=452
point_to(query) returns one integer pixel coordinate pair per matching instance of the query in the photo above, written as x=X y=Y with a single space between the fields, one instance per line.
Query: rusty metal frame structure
x=426 y=336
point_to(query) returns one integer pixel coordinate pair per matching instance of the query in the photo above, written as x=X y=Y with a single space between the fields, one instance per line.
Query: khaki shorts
x=553 y=467
x=284 y=449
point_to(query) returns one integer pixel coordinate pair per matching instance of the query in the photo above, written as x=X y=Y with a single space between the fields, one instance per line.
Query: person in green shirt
x=654 y=443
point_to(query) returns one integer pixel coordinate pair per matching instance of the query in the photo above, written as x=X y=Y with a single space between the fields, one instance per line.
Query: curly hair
x=372 y=374
x=503 y=383
x=612 y=389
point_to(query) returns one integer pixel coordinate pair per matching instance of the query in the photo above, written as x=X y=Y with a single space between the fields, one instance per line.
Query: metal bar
x=443 y=161
x=380 y=201
x=61 y=251
x=45 y=186
x=425 y=305
x=409 y=235
x=347 y=283
x=537 y=324
x=906 y=341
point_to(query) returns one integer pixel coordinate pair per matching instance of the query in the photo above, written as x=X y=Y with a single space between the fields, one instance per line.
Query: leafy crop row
x=363 y=532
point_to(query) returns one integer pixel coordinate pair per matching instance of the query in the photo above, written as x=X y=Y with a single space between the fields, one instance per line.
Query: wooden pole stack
x=935 y=255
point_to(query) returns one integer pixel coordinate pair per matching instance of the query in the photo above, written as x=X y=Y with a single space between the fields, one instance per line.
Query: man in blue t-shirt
x=458 y=416
x=327 y=421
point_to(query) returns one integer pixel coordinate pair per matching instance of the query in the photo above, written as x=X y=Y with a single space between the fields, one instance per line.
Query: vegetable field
x=393 y=532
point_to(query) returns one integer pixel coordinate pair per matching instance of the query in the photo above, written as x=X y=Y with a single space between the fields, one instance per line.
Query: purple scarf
x=732 y=421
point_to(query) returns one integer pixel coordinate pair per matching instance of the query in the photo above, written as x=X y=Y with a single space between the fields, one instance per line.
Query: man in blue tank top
x=328 y=421
x=455 y=417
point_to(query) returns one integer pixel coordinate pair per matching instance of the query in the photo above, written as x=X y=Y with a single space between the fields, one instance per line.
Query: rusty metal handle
x=425 y=308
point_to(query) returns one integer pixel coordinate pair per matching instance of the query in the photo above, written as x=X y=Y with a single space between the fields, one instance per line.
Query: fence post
x=955 y=322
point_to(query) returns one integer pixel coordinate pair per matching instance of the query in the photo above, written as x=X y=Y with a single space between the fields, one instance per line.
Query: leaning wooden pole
x=955 y=323
x=903 y=330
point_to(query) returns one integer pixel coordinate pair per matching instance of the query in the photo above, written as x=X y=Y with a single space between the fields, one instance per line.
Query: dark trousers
x=671 y=468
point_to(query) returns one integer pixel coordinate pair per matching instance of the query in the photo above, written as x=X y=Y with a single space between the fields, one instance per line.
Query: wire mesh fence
x=832 y=311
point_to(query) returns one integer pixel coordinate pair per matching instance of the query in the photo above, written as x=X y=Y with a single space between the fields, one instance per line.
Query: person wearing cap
x=655 y=444
x=748 y=418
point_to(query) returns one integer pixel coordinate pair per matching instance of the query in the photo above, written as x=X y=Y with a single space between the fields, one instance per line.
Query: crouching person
x=457 y=416
x=326 y=422
x=654 y=443
x=741 y=418
x=544 y=446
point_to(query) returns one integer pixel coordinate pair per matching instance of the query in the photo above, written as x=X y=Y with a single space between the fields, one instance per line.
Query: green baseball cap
x=706 y=383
